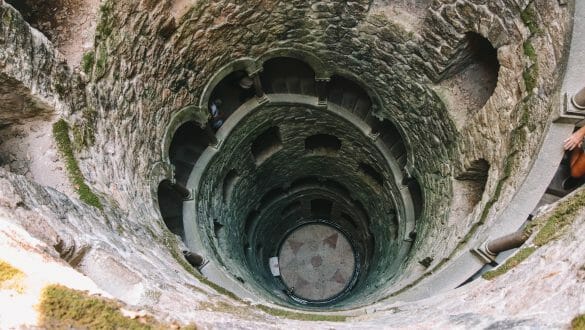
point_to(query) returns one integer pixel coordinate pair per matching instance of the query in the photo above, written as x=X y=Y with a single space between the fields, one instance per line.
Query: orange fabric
x=577 y=162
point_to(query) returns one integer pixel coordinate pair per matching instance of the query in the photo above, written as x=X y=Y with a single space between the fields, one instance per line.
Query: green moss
x=65 y=308
x=7 y=272
x=87 y=62
x=578 y=323
x=84 y=131
x=529 y=17
x=530 y=76
x=529 y=51
x=100 y=62
x=512 y=262
x=106 y=21
x=301 y=316
x=61 y=135
x=551 y=228
x=560 y=219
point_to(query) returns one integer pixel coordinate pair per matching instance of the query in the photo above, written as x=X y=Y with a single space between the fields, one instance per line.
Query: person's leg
x=577 y=162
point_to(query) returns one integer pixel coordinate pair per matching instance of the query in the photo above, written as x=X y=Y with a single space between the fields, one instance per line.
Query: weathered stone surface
x=148 y=67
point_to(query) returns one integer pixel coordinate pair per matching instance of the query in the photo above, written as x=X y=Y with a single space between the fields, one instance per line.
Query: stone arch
x=247 y=64
x=170 y=204
x=190 y=113
x=320 y=69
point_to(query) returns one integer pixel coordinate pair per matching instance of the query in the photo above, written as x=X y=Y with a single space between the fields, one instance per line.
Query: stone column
x=578 y=99
x=321 y=85
x=211 y=135
x=258 y=86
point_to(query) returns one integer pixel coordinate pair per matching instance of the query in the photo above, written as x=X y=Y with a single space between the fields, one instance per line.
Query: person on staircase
x=574 y=145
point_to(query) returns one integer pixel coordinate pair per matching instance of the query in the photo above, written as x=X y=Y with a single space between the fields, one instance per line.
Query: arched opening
x=322 y=143
x=39 y=14
x=229 y=94
x=285 y=75
x=388 y=133
x=189 y=142
x=349 y=95
x=371 y=174
x=266 y=144
x=469 y=186
x=321 y=208
x=228 y=184
x=472 y=74
x=170 y=203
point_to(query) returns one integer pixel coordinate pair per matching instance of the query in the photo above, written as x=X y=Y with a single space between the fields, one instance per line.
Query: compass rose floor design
x=317 y=262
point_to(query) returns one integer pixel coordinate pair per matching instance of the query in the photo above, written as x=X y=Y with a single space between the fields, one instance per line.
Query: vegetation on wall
x=64 y=308
x=7 y=272
x=549 y=229
x=578 y=323
x=61 y=135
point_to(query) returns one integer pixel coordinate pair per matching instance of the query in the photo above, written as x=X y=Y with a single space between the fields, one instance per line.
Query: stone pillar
x=258 y=86
x=321 y=85
x=578 y=99
x=211 y=135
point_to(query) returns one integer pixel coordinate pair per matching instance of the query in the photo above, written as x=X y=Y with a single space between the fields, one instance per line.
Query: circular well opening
x=317 y=263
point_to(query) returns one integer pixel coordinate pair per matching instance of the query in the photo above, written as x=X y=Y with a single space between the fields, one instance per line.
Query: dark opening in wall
x=250 y=220
x=476 y=171
x=39 y=14
x=188 y=144
x=288 y=75
x=371 y=173
x=232 y=91
x=349 y=219
x=473 y=70
x=271 y=196
x=322 y=143
x=304 y=181
x=228 y=184
x=217 y=228
x=321 y=208
x=471 y=182
x=392 y=139
x=350 y=96
x=170 y=203
x=417 y=197
x=291 y=208
x=266 y=144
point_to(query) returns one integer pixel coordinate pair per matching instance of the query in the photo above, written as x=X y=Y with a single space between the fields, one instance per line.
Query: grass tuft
x=64 y=308
x=61 y=135
x=578 y=323
x=10 y=277
x=7 y=272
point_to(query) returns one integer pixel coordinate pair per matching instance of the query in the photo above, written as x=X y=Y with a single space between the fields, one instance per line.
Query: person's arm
x=575 y=139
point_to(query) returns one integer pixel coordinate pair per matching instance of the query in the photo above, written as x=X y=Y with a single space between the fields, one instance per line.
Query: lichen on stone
x=9 y=277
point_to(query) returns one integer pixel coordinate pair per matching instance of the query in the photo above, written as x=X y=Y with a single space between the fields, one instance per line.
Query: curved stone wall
x=155 y=66
x=266 y=183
